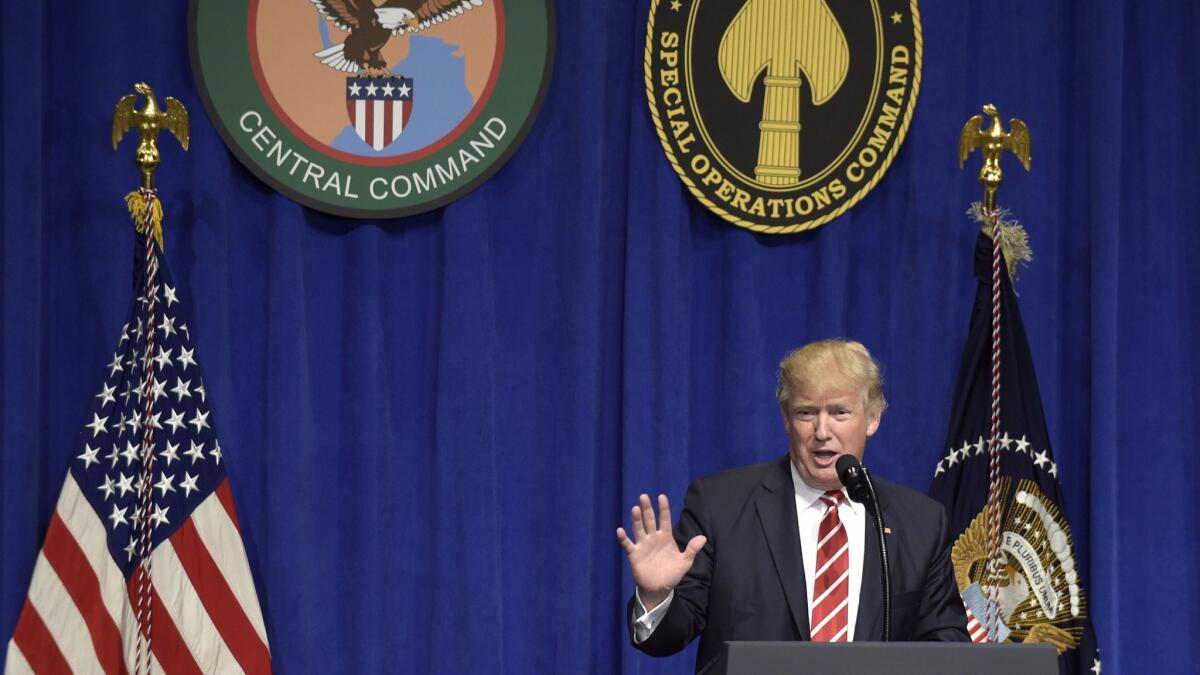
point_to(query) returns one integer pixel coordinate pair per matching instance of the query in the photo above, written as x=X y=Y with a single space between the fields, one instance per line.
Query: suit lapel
x=776 y=509
x=869 y=624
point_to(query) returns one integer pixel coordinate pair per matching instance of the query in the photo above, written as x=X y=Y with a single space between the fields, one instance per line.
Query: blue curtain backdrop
x=433 y=425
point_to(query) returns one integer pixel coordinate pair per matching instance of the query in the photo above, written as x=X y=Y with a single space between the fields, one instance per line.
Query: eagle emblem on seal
x=1039 y=595
x=371 y=26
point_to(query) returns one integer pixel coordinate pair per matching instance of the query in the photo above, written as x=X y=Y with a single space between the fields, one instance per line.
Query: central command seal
x=372 y=108
x=779 y=115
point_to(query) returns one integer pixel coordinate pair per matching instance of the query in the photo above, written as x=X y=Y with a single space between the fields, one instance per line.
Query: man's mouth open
x=825 y=457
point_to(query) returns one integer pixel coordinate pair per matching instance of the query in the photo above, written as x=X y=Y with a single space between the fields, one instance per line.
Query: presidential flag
x=1037 y=593
x=146 y=498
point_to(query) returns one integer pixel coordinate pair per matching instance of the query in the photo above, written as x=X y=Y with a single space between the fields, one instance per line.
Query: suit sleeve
x=686 y=616
x=942 y=617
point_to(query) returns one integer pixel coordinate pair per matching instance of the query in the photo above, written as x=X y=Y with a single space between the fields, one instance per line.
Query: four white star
x=158 y=390
x=200 y=421
x=185 y=357
x=175 y=420
x=89 y=456
x=160 y=515
x=107 y=487
x=164 y=484
x=125 y=484
x=188 y=484
x=196 y=452
x=130 y=454
x=97 y=425
x=181 y=388
x=164 y=358
x=106 y=396
x=117 y=516
x=171 y=454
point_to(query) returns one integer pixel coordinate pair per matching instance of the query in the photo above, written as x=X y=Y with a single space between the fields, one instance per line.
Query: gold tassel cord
x=146 y=211
x=1014 y=240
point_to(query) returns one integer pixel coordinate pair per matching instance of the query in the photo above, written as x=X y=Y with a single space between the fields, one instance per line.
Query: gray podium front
x=891 y=658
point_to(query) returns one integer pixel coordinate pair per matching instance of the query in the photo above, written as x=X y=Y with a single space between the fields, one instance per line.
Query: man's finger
x=648 y=515
x=623 y=540
x=635 y=519
x=664 y=513
x=694 y=546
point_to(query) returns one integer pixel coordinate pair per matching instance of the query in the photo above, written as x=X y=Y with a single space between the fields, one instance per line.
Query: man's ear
x=873 y=418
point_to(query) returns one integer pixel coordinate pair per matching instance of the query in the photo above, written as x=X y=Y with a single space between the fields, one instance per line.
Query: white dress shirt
x=810 y=510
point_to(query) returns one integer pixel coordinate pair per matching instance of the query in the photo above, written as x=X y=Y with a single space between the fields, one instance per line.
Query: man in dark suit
x=775 y=551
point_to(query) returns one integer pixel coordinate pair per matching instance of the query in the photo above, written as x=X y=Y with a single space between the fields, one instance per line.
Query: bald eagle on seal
x=370 y=27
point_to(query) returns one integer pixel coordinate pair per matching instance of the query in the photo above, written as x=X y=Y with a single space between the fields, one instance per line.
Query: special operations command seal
x=372 y=108
x=779 y=115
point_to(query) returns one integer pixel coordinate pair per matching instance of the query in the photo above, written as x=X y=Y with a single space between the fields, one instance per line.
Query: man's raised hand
x=654 y=558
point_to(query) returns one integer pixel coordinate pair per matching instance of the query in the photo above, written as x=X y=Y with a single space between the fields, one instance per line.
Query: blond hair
x=836 y=362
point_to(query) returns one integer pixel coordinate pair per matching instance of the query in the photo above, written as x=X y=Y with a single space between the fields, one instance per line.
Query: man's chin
x=823 y=479
x=828 y=481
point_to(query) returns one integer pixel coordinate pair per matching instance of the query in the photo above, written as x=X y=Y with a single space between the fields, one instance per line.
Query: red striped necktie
x=831 y=586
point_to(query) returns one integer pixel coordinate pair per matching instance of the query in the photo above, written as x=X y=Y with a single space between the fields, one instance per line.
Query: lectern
x=888 y=658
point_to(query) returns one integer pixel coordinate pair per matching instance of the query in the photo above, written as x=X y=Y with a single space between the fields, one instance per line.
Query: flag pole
x=992 y=144
x=146 y=211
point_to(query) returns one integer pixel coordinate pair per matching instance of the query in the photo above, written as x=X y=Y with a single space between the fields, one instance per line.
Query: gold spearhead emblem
x=785 y=38
x=992 y=143
x=149 y=121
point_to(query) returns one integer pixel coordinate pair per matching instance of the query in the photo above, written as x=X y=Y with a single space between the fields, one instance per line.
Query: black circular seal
x=779 y=115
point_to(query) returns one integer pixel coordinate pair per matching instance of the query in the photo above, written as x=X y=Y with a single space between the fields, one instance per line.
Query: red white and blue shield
x=379 y=108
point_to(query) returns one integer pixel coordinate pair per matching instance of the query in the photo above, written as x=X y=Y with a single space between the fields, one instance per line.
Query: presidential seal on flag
x=379 y=108
x=1039 y=595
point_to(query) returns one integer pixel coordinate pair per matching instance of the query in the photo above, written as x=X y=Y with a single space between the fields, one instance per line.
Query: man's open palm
x=654 y=558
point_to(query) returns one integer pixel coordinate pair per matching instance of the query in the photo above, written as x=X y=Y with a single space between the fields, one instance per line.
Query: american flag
x=81 y=613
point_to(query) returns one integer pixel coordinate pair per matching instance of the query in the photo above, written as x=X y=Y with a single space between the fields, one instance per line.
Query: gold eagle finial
x=149 y=121
x=992 y=143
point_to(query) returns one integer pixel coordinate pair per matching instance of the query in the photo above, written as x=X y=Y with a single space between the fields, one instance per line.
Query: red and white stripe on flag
x=379 y=123
x=976 y=630
x=78 y=616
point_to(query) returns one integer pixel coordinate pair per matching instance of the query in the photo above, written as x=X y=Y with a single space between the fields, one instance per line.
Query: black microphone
x=854 y=476
x=858 y=484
